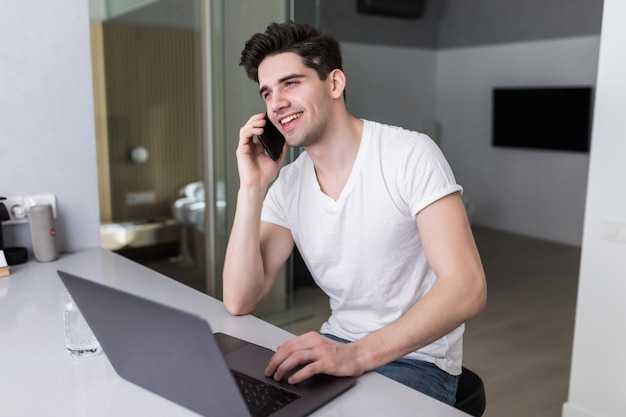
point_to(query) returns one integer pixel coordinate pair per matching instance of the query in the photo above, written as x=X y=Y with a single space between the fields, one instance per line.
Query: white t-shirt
x=364 y=249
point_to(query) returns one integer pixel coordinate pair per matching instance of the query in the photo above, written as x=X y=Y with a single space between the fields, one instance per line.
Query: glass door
x=231 y=98
x=170 y=99
x=147 y=100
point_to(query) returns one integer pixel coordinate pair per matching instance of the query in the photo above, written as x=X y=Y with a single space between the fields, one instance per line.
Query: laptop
x=175 y=354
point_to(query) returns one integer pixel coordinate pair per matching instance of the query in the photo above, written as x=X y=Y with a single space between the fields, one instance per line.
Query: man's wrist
x=252 y=192
x=366 y=356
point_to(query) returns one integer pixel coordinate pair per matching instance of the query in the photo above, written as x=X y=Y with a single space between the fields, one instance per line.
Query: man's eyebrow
x=264 y=88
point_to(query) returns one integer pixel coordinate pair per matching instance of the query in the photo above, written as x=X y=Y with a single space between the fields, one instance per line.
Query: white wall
x=598 y=366
x=397 y=87
x=47 y=140
x=536 y=193
x=531 y=192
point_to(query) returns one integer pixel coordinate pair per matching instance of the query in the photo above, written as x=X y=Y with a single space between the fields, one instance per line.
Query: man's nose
x=278 y=102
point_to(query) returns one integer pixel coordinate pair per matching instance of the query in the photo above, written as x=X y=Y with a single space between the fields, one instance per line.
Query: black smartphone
x=271 y=139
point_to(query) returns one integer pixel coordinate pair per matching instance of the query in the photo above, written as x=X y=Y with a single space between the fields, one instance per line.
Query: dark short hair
x=318 y=51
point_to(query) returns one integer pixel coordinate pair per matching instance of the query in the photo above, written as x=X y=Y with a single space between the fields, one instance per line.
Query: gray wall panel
x=480 y=22
x=459 y=23
x=340 y=18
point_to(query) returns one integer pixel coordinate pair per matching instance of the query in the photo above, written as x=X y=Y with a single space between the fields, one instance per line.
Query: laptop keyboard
x=262 y=398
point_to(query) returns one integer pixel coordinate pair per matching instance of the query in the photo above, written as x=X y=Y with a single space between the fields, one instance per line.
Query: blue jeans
x=422 y=376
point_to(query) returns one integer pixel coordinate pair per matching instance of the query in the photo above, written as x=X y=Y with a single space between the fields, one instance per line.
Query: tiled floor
x=521 y=344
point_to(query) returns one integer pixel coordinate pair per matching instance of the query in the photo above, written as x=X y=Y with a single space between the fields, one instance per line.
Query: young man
x=373 y=209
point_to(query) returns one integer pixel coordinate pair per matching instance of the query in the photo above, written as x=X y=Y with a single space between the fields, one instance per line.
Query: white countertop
x=39 y=378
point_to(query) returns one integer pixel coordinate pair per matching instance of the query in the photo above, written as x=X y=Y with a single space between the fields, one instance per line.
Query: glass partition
x=170 y=99
x=232 y=99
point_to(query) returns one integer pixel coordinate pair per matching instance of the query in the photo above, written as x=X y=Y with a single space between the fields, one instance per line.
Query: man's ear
x=337 y=83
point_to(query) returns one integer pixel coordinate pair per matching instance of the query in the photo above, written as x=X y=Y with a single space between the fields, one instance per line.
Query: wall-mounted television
x=549 y=118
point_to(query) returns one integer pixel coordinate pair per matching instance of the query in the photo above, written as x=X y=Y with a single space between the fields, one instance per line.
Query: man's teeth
x=290 y=118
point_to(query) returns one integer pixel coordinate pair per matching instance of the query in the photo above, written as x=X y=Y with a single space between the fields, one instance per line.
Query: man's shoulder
x=387 y=128
x=396 y=138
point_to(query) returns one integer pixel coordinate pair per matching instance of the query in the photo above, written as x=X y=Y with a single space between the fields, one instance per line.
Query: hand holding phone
x=271 y=139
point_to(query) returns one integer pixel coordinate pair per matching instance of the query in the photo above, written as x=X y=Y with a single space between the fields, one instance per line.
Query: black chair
x=470 y=394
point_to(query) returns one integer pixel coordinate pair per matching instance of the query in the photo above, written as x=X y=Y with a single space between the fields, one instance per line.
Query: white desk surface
x=39 y=378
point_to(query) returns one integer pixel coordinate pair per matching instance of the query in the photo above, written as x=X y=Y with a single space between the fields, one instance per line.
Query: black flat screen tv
x=549 y=118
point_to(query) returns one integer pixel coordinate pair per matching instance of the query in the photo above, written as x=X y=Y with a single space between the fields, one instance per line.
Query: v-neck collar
x=328 y=202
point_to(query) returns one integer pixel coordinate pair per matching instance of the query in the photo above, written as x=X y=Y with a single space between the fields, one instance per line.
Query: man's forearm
x=440 y=311
x=244 y=278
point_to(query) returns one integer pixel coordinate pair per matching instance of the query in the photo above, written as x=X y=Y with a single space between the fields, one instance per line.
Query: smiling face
x=296 y=99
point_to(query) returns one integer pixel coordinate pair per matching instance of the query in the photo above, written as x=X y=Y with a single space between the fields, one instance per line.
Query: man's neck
x=334 y=157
